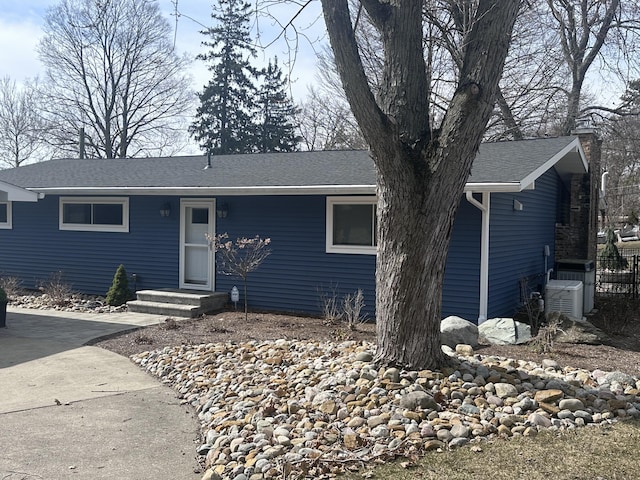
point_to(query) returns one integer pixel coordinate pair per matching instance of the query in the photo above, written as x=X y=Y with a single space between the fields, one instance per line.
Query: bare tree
x=421 y=167
x=239 y=258
x=325 y=122
x=562 y=50
x=112 y=71
x=22 y=128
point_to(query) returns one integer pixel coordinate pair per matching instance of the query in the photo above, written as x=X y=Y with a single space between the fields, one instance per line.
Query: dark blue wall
x=461 y=289
x=298 y=269
x=35 y=247
x=517 y=242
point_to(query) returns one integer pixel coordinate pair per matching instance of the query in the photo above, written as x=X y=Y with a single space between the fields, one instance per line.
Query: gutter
x=485 y=208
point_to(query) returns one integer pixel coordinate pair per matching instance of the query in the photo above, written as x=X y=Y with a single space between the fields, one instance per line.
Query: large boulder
x=504 y=331
x=455 y=330
x=576 y=331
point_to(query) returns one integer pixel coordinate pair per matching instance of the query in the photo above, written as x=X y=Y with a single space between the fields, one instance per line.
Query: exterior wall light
x=223 y=210
x=165 y=210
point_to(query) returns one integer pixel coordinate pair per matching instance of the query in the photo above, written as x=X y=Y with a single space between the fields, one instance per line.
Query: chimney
x=590 y=195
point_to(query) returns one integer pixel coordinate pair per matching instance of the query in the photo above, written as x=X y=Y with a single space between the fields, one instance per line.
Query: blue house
x=85 y=217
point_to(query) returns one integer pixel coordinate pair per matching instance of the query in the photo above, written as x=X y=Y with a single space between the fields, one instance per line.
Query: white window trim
x=353 y=249
x=8 y=225
x=124 y=201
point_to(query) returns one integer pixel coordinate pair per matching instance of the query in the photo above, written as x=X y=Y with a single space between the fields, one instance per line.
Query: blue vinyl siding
x=517 y=242
x=461 y=289
x=298 y=269
x=88 y=260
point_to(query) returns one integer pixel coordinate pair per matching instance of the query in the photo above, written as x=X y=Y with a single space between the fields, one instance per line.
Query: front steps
x=177 y=303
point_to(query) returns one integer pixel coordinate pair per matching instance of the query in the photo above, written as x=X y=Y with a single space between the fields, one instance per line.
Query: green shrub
x=610 y=258
x=119 y=292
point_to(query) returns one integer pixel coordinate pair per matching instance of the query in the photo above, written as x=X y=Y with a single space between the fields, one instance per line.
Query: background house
x=85 y=217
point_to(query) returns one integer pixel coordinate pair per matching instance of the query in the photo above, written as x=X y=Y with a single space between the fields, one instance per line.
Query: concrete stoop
x=177 y=303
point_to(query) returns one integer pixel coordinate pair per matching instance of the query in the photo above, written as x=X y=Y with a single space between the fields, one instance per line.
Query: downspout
x=485 y=208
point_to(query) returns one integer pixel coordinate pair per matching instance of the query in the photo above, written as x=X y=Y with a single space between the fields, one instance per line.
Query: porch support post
x=485 y=208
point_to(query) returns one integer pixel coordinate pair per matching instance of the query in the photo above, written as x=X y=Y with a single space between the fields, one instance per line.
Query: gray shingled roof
x=503 y=162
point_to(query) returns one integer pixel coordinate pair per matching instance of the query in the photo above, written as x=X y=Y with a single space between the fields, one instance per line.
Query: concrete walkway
x=72 y=411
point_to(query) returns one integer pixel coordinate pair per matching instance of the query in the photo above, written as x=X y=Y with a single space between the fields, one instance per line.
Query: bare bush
x=12 y=286
x=543 y=341
x=330 y=306
x=352 y=305
x=58 y=291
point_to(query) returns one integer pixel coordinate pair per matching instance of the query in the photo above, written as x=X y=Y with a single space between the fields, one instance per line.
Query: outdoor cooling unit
x=584 y=271
x=564 y=296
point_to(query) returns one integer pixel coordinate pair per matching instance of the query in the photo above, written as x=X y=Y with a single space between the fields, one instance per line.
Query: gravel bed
x=73 y=303
x=302 y=409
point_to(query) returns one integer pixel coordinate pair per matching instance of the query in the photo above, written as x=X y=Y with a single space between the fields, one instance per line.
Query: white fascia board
x=573 y=147
x=494 y=187
x=217 y=191
x=13 y=193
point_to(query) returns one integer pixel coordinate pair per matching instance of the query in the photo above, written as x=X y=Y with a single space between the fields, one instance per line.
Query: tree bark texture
x=421 y=171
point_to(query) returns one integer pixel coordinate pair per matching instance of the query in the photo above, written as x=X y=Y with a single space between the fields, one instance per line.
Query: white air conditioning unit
x=564 y=296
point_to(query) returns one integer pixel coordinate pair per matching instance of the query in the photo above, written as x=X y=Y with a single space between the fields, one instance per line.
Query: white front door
x=197 y=219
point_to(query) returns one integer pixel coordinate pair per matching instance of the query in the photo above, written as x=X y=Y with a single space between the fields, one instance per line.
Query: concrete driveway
x=71 y=411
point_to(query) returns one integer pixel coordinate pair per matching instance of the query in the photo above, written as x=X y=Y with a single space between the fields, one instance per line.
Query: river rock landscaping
x=303 y=409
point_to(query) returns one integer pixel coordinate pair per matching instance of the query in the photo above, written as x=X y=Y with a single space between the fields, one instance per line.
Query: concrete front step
x=177 y=303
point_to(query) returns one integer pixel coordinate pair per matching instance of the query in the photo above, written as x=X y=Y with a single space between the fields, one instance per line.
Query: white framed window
x=5 y=215
x=351 y=225
x=102 y=214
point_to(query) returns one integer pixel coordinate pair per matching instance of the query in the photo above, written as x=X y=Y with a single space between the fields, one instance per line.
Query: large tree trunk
x=421 y=172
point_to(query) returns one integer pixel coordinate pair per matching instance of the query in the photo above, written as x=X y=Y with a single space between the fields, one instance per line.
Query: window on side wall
x=351 y=225
x=5 y=214
x=94 y=214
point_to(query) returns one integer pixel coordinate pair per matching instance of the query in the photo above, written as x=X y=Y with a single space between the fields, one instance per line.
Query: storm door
x=197 y=219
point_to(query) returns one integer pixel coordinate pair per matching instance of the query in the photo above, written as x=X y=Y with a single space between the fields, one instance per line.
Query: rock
x=464 y=350
x=211 y=475
x=504 y=331
x=460 y=431
x=571 y=404
x=619 y=377
x=433 y=445
x=455 y=330
x=413 y=400
x=364 y=357
x=538 y=419
x=504 y=390
x=548 y=396
x=393 y=374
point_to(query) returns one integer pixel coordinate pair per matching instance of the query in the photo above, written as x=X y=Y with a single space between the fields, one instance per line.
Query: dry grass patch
x=589 y=453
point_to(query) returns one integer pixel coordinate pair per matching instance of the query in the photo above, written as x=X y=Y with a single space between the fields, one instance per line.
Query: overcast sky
x=21 y=21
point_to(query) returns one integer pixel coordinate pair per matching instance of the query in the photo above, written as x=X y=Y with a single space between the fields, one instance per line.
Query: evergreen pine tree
x=276 y=113
x=119 y=292
x=224 y=120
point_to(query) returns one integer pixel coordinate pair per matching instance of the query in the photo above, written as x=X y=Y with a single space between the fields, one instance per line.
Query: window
x=351 y=225
x=5 y=214
x=94 y=214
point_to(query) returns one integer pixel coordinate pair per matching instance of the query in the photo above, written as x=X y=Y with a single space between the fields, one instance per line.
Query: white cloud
x=18 y=57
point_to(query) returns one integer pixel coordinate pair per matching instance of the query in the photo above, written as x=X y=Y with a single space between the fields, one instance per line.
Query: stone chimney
x=577 y=239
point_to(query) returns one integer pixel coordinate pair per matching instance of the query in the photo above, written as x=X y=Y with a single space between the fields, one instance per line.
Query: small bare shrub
x=352 y=305
x=57 y=290
x=142 y=339
x=330 y=306
x=543 y=341
x=171 y=324
x=12 y=286
x=347 y=310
